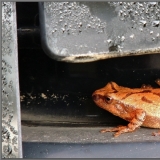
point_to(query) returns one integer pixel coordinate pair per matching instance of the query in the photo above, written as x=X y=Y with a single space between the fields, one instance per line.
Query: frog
x=138 y=106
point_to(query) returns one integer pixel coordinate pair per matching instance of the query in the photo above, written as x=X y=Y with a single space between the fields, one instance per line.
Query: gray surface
x=81 y=142
x=70 y=150
x=84 y=135
x=11 y=119
x=89 y=31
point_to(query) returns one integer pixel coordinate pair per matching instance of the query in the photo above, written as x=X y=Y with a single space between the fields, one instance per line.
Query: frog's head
x=102 y=97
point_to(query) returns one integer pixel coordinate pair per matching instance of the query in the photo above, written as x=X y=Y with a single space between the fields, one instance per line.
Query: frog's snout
x=96 y=97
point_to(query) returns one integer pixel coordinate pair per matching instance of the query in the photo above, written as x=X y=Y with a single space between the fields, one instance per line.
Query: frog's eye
x=108 y=99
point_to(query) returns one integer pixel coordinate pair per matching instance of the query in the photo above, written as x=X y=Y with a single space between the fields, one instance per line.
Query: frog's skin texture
x=138 y=106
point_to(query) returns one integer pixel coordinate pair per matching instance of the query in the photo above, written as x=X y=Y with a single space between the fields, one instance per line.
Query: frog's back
x=147 y=100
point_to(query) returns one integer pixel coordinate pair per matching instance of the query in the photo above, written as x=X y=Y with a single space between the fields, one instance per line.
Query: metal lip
x=47 y=49
x=119 y=37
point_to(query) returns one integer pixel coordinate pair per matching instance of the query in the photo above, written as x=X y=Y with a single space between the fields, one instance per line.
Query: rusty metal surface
x=90 y=31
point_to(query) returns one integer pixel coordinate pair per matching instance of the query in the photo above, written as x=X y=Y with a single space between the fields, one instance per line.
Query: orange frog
x=139 y=106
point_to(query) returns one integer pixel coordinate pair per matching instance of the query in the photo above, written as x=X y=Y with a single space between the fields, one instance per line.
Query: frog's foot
x=156 y=133
x=136 y=122
x=158 y=81
x=119 y=130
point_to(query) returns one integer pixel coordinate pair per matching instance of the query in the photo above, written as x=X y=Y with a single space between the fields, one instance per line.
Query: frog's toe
x=156 y=133
x=105 y=130
x=117 y=134
x=111 y=129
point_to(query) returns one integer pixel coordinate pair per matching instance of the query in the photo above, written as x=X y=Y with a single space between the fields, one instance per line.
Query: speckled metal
x=90 y=31
x=11 y=119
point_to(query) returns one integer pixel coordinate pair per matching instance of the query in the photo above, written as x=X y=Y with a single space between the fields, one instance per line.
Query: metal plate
x=89 y=31
x=87 y=142
x=96 y=150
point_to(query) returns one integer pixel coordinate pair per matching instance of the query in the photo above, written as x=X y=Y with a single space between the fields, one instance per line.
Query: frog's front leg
x=136 y=122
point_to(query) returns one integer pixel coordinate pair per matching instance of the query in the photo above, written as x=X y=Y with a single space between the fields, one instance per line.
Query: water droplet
x=120 y=12
x=55 y=29
x=122 y=38
x=152 y=3
x=140 y=4
x=143 y=23
x=65 y=24
x=88 y=25
x=80 y=23
x=157 y=35
x=155 y=23
x=132 y=36
x=151 y=32
x=109 y=40
x=63 y=29
x=153 y=38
